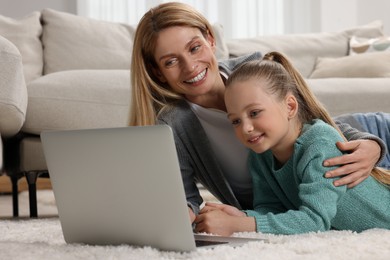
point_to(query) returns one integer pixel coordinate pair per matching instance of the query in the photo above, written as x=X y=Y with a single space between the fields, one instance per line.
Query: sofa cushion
x=370 y=30
x=365 y=65
x=303 y=49
x=73 y=42
x=13 y=92
x=351 y=95
x=78 y=99
x=25 y=33
x=222 y=51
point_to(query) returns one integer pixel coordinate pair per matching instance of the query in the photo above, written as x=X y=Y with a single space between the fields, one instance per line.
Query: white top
x=230 y=153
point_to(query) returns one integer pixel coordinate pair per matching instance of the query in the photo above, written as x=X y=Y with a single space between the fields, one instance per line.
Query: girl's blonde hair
x=149 y=95
x=282 y=79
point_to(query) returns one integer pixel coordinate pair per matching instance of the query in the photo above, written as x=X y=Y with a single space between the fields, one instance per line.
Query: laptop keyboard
x=200 y=243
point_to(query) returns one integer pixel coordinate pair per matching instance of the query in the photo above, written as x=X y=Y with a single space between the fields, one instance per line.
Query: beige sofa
x=77 y=76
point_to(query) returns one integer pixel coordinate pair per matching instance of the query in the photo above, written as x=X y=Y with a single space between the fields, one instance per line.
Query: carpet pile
x=42 y=239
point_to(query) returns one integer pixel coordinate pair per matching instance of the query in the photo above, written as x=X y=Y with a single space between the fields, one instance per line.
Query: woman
x=176 y=80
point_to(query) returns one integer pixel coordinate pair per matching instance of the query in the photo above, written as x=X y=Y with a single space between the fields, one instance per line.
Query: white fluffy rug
x=42 y=239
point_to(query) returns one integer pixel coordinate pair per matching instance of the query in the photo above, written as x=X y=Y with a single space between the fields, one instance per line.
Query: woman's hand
x=230 y=210
x=192 y=215
x=355 y=166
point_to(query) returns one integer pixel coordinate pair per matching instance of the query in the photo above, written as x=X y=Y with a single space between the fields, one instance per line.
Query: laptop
x=122 y=186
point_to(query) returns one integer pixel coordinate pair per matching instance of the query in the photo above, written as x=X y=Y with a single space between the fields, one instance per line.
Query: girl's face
x=186 y=61
x=260 y=120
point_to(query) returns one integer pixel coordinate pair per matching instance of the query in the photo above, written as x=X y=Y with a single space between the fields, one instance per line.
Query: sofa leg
x=15 y=195
x=32 y=191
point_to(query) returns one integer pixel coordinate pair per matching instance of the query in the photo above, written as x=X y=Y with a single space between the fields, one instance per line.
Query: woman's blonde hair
x=282 y=79
x=149 y=95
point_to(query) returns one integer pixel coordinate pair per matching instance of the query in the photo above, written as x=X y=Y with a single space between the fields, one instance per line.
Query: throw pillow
x=367 y=65
x=73 y=42
x=25 y=34
x=361 y=45
x=222 y=51
x=370 y=30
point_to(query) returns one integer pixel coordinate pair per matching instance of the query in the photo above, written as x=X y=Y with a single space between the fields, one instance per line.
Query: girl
x=275 y=114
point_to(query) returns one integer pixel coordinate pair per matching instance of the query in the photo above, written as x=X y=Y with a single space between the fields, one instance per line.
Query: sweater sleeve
x=194 y=199
x=317 y=194
x=351 y=133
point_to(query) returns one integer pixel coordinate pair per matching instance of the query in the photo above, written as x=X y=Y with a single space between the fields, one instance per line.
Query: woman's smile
x=197 y=79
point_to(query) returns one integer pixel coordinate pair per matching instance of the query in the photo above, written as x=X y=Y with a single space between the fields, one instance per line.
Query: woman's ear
x=159 y=75
x=291 y=105
x=211 y=40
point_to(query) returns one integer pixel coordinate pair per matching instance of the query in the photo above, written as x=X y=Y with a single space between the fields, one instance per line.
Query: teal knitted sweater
x=296 y=198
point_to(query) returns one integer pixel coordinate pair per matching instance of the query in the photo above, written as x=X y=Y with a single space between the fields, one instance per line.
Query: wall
x=307 y=15
x=21 y=8
x=337 y=15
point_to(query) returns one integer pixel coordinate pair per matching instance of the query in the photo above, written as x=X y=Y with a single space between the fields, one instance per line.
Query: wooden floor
x=45 y=196
x=5 y=184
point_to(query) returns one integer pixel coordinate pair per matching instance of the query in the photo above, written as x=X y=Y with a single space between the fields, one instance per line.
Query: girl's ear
x=291 y=105
x=159 y=75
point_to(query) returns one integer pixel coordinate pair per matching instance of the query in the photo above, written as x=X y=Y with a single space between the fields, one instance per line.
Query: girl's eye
x=254 y=113
x=236 y=122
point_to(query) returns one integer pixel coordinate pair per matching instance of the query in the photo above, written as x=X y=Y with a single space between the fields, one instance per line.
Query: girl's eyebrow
x=245 y=108
x=186 y=46
x=229 y=115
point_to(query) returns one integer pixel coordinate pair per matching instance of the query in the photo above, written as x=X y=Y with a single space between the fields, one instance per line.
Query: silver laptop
x=121 y=186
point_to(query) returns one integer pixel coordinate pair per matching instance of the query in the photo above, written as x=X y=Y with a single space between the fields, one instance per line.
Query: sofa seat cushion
x=78 y=99
x=352 y=95
x=32 y=157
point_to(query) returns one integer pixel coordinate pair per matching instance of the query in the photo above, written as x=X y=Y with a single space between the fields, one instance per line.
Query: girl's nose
x=247 y=127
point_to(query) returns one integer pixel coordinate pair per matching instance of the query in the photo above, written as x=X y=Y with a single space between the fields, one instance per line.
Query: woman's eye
x=195 y=49
x=170 y=62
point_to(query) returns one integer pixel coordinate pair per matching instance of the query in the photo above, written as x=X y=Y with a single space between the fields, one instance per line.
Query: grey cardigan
x=197 y=161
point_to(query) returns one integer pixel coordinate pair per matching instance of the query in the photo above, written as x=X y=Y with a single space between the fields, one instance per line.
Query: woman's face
x=186 y=61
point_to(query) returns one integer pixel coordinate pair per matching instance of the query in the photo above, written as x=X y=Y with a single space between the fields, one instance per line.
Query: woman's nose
x=190 y=64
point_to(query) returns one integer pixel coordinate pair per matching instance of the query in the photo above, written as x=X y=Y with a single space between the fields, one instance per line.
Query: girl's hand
x=220 y=223
x=215 y=222
x=355 y=166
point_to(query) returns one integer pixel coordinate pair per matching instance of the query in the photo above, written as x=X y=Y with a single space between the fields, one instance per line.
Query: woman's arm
x=364 y=152
x=194 y=199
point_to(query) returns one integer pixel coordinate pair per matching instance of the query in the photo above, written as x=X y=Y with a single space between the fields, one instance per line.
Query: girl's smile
x=261 y=121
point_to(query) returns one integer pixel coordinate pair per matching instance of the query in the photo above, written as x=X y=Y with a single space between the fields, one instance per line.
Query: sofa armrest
x=13 y=91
